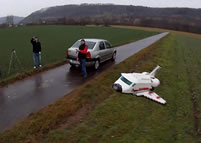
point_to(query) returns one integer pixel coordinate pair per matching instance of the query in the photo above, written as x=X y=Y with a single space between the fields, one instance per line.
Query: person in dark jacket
x=82 y=57
x=36 y=52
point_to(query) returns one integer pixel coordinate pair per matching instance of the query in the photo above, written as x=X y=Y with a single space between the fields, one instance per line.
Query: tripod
x=13 y=59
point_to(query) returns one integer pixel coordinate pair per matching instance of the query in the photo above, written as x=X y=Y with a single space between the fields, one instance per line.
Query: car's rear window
x=90 y=44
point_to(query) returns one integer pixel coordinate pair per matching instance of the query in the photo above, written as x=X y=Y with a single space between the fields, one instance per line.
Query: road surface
x=27 y=96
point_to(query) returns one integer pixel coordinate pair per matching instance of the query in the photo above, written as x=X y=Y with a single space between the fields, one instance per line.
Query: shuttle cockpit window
x=126 y=80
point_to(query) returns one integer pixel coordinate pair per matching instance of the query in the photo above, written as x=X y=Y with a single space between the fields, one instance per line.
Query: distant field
x=55 y=40
x=103 y=115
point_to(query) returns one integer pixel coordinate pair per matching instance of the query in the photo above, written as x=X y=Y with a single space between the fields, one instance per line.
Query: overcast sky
x=26 y=7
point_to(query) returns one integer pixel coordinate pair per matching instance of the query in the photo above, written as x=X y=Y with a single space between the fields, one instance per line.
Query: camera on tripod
x=14 y=59
x=13 y=50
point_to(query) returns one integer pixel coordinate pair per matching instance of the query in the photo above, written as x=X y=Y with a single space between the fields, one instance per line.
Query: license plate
x=74 y=62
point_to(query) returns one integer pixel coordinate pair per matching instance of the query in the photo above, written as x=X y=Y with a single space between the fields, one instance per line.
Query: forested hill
x=184 y=19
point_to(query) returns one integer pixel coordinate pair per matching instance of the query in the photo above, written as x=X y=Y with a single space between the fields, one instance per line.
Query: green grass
x=55 y=40
x=115 y=117
x=124 y=118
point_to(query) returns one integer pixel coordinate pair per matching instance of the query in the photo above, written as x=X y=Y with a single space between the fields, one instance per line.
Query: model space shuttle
x=140 y=84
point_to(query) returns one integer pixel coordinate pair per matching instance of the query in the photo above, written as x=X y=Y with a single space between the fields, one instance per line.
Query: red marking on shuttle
x=141 y=89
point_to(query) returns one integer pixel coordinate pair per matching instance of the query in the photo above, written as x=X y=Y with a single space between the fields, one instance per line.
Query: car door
x=109 y=50
x=103 y=51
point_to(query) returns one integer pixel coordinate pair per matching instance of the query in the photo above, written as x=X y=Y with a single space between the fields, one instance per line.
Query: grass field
x=96 y=113
x=123 y=118
x=55 y=40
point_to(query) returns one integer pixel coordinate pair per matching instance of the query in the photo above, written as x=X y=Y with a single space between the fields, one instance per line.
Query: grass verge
x=95 y=112
x=33 y=128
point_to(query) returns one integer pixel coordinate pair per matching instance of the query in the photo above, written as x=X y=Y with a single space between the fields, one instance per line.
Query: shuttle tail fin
x=153 y=73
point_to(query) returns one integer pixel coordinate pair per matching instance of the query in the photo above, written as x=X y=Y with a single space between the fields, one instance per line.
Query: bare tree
x=10 y=20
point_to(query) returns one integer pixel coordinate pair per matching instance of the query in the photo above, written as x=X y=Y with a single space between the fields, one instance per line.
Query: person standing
x=82 y=54
x=36 y=52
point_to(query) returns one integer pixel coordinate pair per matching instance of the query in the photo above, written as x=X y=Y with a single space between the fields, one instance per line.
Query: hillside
x=184 y=19
x=17 y=19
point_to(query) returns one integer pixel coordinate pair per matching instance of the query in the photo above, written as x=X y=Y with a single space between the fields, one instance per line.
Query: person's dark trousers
x=36 y=58
x=83 y=67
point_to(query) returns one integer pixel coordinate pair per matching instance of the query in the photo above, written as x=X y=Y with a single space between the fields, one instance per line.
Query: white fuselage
x=135 y=82
x=140 y=84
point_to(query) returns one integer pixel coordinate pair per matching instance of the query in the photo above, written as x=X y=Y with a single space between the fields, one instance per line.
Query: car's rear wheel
x=97 y=65
x=114 y=56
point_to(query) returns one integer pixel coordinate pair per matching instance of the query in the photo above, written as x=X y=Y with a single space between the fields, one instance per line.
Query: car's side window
x=101 y=46
x=108 y=45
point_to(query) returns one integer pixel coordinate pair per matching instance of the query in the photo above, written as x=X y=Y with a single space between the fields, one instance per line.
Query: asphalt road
x=27 y=96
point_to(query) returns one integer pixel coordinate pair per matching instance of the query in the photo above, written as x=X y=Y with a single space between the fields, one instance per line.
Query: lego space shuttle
x=140 y=84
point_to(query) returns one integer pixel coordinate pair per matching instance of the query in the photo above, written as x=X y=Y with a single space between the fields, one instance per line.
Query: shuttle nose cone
x=117 y=87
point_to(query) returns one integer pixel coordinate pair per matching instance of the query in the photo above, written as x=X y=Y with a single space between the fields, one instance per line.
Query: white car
x=139 y=84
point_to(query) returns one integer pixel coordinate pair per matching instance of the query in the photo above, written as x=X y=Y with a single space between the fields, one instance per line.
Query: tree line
x=177 y=24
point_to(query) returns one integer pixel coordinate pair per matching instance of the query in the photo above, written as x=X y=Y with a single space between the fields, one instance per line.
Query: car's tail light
x=67 y=53
x=88 y=55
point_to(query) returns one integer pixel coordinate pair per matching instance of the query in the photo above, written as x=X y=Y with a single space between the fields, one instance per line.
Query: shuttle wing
x=153 y=96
